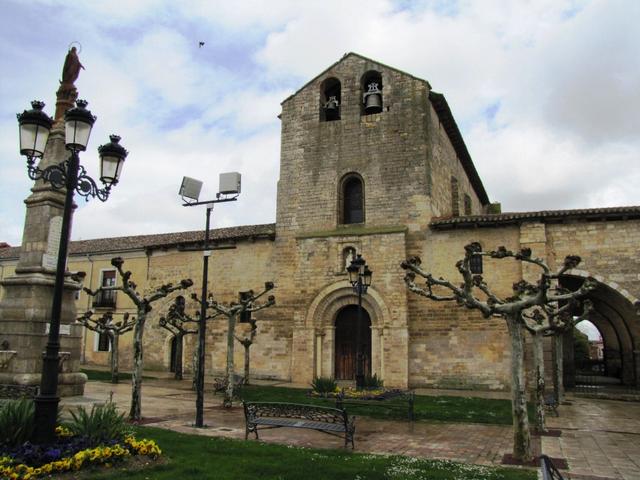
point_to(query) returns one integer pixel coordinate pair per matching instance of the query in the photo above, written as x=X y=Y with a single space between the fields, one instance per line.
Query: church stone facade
x=387 y=182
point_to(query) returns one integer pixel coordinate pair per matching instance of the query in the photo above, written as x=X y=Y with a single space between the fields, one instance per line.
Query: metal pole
x=46 y=402
x=359 y=366
x=202 y=326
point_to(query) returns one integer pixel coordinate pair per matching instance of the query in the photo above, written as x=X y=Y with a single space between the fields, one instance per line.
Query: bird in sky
x=201 y=44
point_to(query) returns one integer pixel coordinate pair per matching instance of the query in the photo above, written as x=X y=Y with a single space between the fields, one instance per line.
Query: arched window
x=330 y=100
x=371 y=93
x=352 y=199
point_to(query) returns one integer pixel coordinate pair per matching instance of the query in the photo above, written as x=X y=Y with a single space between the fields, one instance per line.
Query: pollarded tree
x=247 y=303
x=474 y=293
x=143 y=307
x=246 y=342
x=177 y=322
x=113 y=330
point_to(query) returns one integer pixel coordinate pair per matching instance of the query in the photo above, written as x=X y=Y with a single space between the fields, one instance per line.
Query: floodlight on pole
x=228 y=191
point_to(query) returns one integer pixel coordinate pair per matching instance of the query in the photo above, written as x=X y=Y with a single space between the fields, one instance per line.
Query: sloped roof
x=544 y=216
x=453 y=132
x=157 y=241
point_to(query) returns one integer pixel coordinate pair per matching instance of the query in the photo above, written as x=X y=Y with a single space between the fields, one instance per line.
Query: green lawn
x=440 y=408
x=193 y=456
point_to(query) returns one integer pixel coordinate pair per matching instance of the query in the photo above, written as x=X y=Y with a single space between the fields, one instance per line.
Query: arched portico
x=615 y=317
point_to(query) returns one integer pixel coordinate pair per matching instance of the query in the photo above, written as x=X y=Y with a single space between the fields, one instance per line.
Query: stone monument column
x=25 y=308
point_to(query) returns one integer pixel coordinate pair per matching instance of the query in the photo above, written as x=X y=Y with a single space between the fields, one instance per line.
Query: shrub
x=17 y=422
x=103 y=424
x=372 y=381
x=324 y=385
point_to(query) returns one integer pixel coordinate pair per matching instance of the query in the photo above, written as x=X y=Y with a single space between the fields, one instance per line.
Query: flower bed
x=30 y=461
x=364 y=394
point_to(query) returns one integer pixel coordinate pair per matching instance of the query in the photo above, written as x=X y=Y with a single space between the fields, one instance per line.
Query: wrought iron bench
x=265 y=415
x=549 y=470
x=220 y=384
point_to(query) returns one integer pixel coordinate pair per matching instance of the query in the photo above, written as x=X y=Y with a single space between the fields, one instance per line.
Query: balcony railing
x=105 y=299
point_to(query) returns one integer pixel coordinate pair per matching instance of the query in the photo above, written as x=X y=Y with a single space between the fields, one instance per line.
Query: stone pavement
x=600 y=439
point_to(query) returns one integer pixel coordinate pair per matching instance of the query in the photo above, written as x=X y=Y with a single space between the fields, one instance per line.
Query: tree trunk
x=247 y=360
x=178 y=364
x=114 y=337
x=194 y=368
x=228 y=394
x=538 y=361
x=558 y=367
x=136 y=380
x=521 y=434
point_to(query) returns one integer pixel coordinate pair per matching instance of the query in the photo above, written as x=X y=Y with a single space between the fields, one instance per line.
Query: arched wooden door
x=172 y=363
x=345 y=353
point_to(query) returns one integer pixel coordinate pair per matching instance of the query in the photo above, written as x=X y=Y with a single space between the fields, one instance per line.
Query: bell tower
x=367 y=159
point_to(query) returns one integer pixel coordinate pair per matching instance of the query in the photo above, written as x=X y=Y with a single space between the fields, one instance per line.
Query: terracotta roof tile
x=161 y=240
x=545 y=216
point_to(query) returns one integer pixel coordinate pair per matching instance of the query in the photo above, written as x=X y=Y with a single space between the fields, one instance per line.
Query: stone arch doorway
x=346 y=325
x=173 y=358
x=615 y=317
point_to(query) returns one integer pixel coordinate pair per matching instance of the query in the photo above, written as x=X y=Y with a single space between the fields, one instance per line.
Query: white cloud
x=562 y=77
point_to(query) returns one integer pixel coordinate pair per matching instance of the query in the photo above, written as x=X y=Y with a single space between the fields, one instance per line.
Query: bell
x=331 y=111
x=373 y=99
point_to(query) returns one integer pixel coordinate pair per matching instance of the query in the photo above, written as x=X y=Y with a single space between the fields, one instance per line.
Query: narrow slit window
x=455 y=204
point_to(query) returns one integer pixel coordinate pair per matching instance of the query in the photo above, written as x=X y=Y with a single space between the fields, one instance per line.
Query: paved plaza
x=600 y=439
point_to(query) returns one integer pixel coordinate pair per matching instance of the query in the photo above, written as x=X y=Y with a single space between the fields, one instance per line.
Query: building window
x=102 y=342
x=106 y=298
x=330 y=100
x=455 y=206
x=467 y=204
x=475 y=264
x=371 y=93
x=245 y=316
x=352 y=199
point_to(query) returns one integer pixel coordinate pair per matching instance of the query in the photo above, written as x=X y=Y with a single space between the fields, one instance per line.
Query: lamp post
x=360 y=279
x=190 y=193
x=69 y=175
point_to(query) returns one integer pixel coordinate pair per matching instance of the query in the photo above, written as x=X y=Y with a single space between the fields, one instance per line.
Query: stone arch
x=616 y=318
x=166 y=350
x=321 y=316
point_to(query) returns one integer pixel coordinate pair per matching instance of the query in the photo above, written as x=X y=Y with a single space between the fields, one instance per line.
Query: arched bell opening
x=330 y=100
x=346 y=330
x=371 y=93
x=615 y=319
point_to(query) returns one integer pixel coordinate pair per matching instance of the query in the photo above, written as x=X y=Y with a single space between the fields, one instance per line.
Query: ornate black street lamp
x=190 y=192
x=360 y=279
x=69 y=175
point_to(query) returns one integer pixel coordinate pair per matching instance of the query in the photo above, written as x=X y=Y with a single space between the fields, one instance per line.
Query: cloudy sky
x=546 y=93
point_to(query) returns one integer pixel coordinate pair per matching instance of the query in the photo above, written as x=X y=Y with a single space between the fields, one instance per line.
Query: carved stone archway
x=320 y=322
